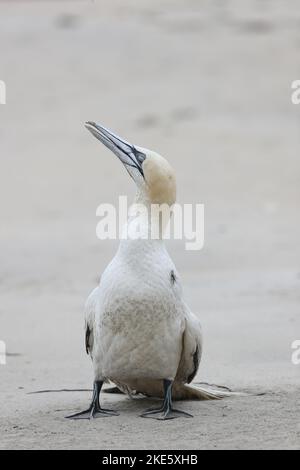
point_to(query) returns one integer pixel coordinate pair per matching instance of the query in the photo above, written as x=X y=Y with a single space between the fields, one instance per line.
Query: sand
x=208 y=85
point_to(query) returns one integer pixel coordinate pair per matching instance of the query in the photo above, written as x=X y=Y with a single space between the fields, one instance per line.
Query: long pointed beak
x=126 y=152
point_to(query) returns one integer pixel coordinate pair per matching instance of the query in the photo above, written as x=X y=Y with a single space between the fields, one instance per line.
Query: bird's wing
x=191 y=349
x=89 y=314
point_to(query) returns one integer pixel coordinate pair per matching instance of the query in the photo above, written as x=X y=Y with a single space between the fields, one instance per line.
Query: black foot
x=162 y=414
x=95 y=410
x=166 y=411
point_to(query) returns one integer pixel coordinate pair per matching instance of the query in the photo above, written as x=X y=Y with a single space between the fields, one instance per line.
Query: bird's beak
x=126 y=152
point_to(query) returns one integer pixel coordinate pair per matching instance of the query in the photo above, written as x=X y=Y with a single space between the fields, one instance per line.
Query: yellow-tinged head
x=159 y=177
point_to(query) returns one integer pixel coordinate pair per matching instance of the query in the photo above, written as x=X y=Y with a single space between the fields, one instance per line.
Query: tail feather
x=200 y=392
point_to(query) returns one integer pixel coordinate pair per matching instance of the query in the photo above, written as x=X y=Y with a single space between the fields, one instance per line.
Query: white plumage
x=138 y=318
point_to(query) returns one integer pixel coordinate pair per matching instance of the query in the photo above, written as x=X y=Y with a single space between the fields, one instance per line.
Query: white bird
x=139 y=331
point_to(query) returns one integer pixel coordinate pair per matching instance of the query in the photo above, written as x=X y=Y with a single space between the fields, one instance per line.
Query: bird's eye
x=140 y=157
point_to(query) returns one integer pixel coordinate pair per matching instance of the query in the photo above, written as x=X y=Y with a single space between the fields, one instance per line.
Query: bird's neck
x=147 y=221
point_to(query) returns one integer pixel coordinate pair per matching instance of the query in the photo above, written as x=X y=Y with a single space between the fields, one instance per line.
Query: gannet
x=140 y=333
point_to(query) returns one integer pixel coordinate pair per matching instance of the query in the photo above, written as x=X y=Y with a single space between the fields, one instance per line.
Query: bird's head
x=151 y=172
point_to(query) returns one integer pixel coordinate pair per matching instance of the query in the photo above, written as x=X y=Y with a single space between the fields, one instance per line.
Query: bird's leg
x=95 y=410
x=166 y=411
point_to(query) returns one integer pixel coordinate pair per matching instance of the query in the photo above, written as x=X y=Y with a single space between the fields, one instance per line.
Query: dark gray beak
x=126 y=152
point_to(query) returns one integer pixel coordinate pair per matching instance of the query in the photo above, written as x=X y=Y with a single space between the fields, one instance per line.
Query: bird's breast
x=140 y=320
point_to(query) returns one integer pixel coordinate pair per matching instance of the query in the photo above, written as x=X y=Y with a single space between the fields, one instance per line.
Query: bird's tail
x=201 y=392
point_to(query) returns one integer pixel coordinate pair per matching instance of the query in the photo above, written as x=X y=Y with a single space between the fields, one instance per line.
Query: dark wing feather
x=87 y=339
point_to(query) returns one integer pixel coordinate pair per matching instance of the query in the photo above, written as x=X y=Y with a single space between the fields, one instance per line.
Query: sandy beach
x=207 y=85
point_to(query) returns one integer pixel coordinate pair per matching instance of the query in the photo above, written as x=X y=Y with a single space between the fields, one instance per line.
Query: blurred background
x=208 y=85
